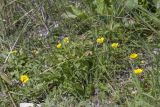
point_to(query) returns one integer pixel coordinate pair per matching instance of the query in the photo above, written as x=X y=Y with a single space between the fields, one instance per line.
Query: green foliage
x=82 y=71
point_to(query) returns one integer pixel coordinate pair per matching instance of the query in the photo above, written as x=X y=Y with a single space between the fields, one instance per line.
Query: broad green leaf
x=132 y=4
x=5 y=78
x=68 y=15
x=74 y=12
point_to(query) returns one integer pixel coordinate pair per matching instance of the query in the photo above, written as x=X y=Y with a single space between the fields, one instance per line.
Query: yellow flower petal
x=134 y=56
x=35 y=52
x=13 y=52
x=115 y=45
x=59 y=45
x=138 y=71
x=66 y=40
x=142 y=62
x=24 y=78
x=100 y=40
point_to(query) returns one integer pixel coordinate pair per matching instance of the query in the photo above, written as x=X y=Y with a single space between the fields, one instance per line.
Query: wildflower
x=13 y=52
x=100 y=40
x=133 y=56
x=115 y=45
x=134 y=92
x=66 y=40
x=138 y=71
x=24 y=78
x=59 y=45
x=142 y=62
x=35 y=52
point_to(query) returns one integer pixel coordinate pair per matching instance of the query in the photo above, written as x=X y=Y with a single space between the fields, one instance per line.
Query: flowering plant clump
x=100 y=40
x=100 y=52
x=24 y=79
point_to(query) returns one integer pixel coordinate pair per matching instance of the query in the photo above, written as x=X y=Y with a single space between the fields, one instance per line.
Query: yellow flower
x=24 y=78
x=35 y=52
x=59 y=45
x=115 y=45
x=100 y=40
x=66 y=40
x=133 y=56
x=13 y=52
x=142 y=62
x=138 y=71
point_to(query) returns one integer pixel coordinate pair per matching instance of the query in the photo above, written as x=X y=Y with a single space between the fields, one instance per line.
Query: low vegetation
x=83 y=53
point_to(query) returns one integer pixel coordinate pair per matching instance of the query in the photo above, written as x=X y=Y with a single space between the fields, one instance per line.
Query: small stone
x=26 y=105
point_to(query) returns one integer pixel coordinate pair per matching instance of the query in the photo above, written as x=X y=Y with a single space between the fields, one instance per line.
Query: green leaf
x=68 y=15
x=74 y=12
x=132 y=4
x=100 y=6
x=5 y=78
x=157 y=3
